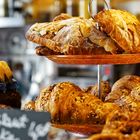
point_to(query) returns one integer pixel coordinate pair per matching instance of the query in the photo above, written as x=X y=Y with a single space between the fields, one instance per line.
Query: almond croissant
x=122 y=27
x=120 y=125
x=125 y=93
x=71 y=35
x=67 y=103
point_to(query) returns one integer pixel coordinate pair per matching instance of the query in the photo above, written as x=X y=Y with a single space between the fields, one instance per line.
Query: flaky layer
x=68 y=34
x=122 y=27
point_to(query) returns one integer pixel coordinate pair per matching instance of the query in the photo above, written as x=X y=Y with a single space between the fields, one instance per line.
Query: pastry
x=62 y=16
x=124 y=122
x=114 y=136
x=71 y=35
x=123 y=87
x=120 y=125
x=9 y=95
x=42 y=51
x=125 y=93
x=127 y=82
x=135 y=93
x=105 y=89
x=122 y=27
x=67 y=103
x=30 y=106
x=10 y=98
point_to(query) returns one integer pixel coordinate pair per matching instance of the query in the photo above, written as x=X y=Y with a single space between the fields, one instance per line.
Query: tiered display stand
x=98 y=60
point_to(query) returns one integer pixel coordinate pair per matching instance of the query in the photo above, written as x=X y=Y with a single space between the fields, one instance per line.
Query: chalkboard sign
x=23 y=125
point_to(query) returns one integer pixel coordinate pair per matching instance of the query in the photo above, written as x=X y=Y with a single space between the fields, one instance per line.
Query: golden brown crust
x=123 y=122
x=41 y=103
x=135 y=93
x=67 y=103
x=105 y=89
x=116 y=94
x=128 y=103
x=127 y=82
x=34 y=37
x=62 y=16
x=114 y=136
x=45 y=51
x=30 y=106
x=120 y=125
x=125 y=92
x=67 y=35
x=122 y=27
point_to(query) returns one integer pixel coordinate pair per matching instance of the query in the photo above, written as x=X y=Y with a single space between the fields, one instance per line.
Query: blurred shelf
x=10 y=22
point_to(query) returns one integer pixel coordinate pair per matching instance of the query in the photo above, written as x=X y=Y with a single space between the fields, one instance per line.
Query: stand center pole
x=99 y=77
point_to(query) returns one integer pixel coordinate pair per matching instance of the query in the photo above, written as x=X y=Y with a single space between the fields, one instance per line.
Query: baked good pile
x=118 y=32
x=109 y=32
x=118 y=110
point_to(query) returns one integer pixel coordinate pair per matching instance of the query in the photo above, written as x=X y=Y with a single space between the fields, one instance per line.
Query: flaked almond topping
x=42 y=32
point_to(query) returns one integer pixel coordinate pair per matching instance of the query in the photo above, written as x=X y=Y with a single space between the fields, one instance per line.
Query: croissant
x=122 y=122
x=125 y=93
x=105 y=89
x=120 y=125
x=135 y=93
x=122 y=27
x=127 y=82
x=71 y=35
x=67 y=103
x=42 y=51
x=115 y=136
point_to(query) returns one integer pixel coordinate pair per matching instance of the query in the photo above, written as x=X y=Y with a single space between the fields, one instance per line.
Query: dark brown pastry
x=10 y=98
x=9 y=95
x=105 y=89
x=122 y=27
x=44 y=51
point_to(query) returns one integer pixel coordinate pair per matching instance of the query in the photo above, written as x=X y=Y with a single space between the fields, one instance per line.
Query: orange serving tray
x=96 y=59
x=80 y=129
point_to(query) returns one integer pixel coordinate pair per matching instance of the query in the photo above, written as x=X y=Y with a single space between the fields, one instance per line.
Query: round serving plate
x=83 y=130
x=96 y=59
